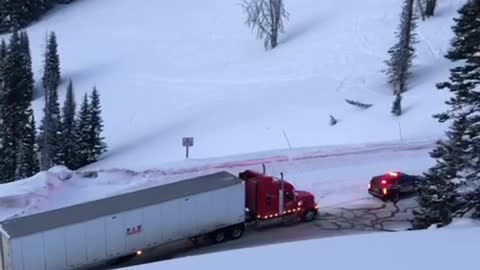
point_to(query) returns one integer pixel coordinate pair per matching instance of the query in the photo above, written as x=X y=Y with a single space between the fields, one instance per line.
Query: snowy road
x=337 y=176
x=339 y=182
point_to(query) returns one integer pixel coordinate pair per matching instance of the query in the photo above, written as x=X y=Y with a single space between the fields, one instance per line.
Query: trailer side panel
x=115 y=226
x=76 y=245
x=33 y=252
x=96 y=240
x=135 y=238
x=55 y=244
x=153 y=216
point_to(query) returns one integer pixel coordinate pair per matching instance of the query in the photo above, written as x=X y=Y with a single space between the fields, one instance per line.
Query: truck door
x=289 y=199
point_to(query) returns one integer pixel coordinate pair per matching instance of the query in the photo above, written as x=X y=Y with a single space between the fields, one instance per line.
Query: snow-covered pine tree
x=397 y=105
x=51 y=139
x=438 y=200
x=15 y=14
x=463 y=44
x=11 y=15
x=458 y=167
x=51 y=75
x=82 y=130
x=69 y=124
x=17 y=90
x=24 y=47
x=27 y=160
x=402 y=53
x=96 y=141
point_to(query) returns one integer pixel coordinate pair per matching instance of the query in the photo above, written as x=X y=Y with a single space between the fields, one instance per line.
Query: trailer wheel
x=309 y=216
x=218 y=236
x=236 y=232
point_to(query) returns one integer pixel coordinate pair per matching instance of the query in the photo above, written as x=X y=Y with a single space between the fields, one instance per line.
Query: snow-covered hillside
x=192 y=68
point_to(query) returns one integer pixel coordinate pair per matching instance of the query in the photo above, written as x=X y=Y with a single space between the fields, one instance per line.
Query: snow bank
x=440 y=249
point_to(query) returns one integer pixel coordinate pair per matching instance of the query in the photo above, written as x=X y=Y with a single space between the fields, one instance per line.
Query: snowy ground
x=442 y=249
x=166 y=71
x=338 y=177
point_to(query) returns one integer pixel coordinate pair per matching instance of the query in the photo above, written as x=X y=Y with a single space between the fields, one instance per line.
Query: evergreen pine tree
x=82 y=132
x=11 y=15
x=464 y=42
x=51 y=138
x=17 y=89
x=69 y=124
x=452 y=188
x=397 y=105
x=402 y=53
x=438 y=201
x=51 y=75
x=27 y=162
x=15 y=14
x=3 y=49
x=97 y=145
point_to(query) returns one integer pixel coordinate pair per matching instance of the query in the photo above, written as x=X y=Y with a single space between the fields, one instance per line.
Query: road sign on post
x=187 y=142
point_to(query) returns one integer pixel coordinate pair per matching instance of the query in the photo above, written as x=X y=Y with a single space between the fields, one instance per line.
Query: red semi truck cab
x=265 y=199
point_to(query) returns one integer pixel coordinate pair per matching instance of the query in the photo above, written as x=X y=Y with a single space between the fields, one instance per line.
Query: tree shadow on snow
x=299 y=29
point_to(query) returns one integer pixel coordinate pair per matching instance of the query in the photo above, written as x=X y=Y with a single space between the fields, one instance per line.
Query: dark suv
x=392 y=185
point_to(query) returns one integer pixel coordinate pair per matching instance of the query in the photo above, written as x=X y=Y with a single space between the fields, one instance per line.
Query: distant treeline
x=16 y=14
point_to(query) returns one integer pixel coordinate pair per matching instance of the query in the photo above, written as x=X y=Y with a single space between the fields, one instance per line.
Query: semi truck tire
x=218 y=236
x=309 y=216
x=236 y=232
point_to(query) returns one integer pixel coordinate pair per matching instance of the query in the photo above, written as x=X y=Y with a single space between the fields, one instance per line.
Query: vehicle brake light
x=384 y=182
x=385 y=191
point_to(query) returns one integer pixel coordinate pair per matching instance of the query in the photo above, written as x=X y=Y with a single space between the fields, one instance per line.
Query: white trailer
x=94 y=232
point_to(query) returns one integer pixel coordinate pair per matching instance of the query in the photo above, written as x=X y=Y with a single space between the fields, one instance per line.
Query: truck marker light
x=385 y=191
x=258 y=216
x=317 y=206
x=266 y=217
x=276 y=215
x=300 y=203
x=139 y=252
x=271 y=216
x=394 y=174
x=384 y=182
x=298 y=209
x=369 y=186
